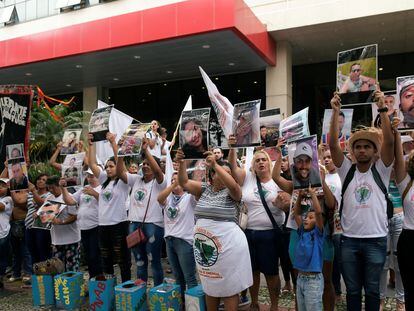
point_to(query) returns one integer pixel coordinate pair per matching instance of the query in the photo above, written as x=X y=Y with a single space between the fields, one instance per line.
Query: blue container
x=165 y=297
x=102 y=294
x=69 y=290
x=195 y=299
x=131 y=296
x=42 y=290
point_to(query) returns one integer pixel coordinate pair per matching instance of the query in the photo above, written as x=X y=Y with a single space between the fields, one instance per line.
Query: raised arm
x=284 y=184
x=226 y=178
x=121 y=170
x=317 y=208
x=163 y=195
x=191 y=186
x=36 y=197
x=111 y=138
x=399 y=165
x=92 y=157
x=334 y=146
x=298 y=209
x=156 y=169
x=387 y=146
x=238 y=173
x=329 y=198
x=54 y=156
x=67 y=197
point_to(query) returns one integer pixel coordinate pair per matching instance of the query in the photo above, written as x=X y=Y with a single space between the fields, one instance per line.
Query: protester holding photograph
x=70 y=142
x=112 y=213
x=87 y=218
x=264 y=235
x=155 y=141
x=356 y=82
x=18 y=178
x=145 y=212
x=6 y=206
x=193 y=132
x=364 y=204
x=219 y=242
x=246 y=126
x=405 y=93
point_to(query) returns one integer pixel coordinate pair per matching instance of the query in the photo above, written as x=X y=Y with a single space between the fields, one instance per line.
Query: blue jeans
x=20 y=251
x=4 y=251
x=149 y=251
x=309 y=291
x=181 y=257
x=362 y=261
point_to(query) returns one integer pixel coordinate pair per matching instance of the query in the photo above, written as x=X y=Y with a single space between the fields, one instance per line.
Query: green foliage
x=46 y=132
x=41 y=168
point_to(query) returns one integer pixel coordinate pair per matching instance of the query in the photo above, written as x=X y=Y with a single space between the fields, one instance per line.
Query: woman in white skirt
x=220 y=246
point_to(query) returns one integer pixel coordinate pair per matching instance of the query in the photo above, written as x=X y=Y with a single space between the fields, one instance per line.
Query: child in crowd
x=309 y=257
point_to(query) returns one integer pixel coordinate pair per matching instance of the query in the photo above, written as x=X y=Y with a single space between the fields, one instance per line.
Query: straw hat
x=368 y=133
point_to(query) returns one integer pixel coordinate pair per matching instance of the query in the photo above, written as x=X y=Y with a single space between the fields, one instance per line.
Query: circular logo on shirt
x=107 y=195
x=363 y=193
x=172 y=212
x=205 y=250
x=140 y=195
x=332 y=188
x=86 y=198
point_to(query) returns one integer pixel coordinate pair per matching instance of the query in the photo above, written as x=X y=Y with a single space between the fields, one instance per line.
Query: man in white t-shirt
x=364 y=206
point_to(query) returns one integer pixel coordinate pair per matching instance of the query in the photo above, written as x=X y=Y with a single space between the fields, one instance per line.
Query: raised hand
x=210 y=159
x=379 y=97
x=179 y=155
x=231 y=141
x=336 y=102
x=62 y=182
x=111 y=137
x=90 y=138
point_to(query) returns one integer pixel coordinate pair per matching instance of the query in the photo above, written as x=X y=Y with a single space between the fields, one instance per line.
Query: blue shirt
x=394 y=195
x=308 y=255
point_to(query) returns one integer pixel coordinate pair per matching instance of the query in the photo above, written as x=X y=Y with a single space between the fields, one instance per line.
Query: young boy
x=309 y=258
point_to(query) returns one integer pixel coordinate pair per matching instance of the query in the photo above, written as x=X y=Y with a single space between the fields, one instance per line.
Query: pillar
x=279 y=80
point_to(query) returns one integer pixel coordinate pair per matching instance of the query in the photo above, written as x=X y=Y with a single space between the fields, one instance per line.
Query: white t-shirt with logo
x=139 y=199
x=112 y=200
x=408 y=203
x=257 y=216
x=335 y=185
x=65 y=234
x=5 y=216
x=364 y=213
x=88 y=209
x=179 y=218
x=156 y=151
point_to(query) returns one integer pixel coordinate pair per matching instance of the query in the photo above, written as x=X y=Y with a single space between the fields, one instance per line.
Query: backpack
x=350 y=175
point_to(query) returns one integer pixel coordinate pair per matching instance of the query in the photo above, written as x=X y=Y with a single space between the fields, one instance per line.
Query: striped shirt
x=217 y=206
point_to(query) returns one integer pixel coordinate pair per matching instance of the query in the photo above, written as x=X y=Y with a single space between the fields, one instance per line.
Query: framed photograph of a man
x=47 y=213
x=194 y=132
x=74 y=159
x=345 y=126
x=131 y=140
x=72 y=175
x=70 y=141
x=99 y=123
x=392 y=103
x=304 y=164
x=357 y=74
x=15 y=151
x=18 y=174
x=269 y=127
x=246 y=124
x=295 y=126
x=405 y=99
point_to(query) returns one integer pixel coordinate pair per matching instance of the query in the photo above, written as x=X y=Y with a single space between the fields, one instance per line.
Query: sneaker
x=14 y=278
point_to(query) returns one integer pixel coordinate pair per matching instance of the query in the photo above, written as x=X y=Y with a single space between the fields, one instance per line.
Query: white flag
x=222 y=106
x=118 y=122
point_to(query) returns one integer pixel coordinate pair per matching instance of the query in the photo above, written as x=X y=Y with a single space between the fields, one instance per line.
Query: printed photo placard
x=194 y=132
x=47 y=213
x=131 y=140
x=345 y=126
x=99 y=123
x=405 y=100
x=357 y=74
x=17 y=169
x=296 y=126
x=15 y=151
x=246 y=123
x=70 y=141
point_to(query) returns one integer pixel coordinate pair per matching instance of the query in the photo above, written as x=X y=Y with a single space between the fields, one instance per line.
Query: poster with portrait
x=296 y=126
x=405 y=99
x=73 y=175
x=131 y=140
x=47 y=213
x=269 y=130
x=196 y=170
x=246 y=123
x=304 y=164
x=17 y=169
x=216 y=133
x=345 y=126
x=99 y=123
x=194 y=132
x=74 y=159
x=70 y=141
x=15 y=151
x=392 y=103
x=357 y=74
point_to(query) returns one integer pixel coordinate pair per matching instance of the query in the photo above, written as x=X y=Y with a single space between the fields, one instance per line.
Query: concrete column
x=279 y=80
x=90 y=98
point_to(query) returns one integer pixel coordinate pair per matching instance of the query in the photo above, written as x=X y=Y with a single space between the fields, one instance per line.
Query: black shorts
x=264 y=247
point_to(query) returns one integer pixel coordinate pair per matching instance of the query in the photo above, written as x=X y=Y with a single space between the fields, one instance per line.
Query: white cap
x=406 y=139
x=5 y=180
x=89 y=171
x=303 y=149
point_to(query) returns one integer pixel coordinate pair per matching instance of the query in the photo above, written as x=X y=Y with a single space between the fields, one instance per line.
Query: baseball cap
x=303 y=149
x=4 y=180
x=406 y=139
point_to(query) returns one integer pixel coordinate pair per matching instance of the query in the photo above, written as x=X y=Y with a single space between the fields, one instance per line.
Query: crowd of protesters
x=369 y=187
